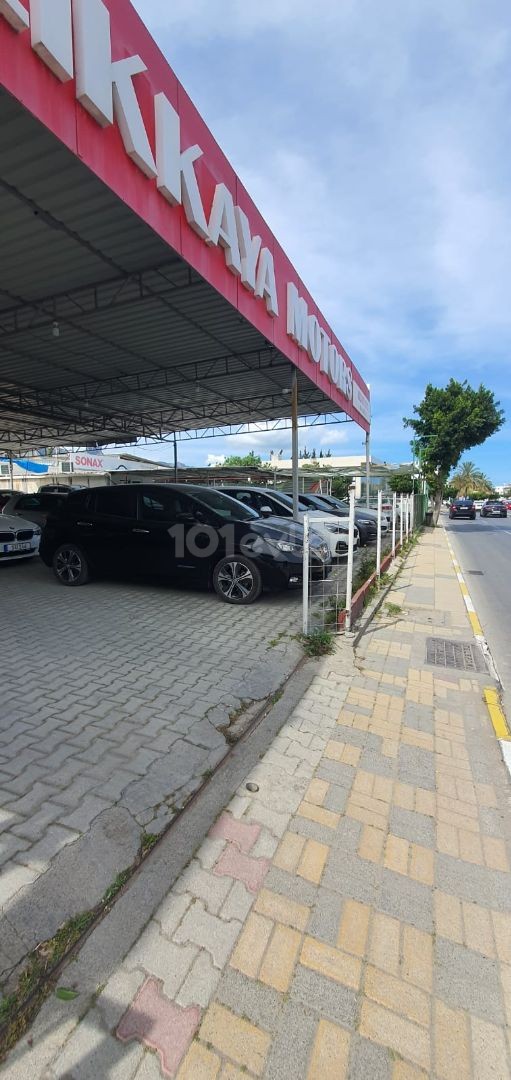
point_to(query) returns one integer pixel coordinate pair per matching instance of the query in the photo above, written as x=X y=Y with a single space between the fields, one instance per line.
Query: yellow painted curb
x=497 y=717
x=476 y=625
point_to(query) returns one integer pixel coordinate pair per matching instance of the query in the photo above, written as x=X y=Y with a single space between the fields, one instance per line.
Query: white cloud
x=374 y=140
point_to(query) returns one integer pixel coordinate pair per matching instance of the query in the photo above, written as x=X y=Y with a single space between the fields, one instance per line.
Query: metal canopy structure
x=107 y=334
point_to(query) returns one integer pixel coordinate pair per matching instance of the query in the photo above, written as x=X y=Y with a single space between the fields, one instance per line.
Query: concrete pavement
x=349 y=913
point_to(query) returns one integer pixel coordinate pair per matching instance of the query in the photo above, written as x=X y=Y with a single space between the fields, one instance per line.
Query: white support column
x=401 y=512
x=394 y=517
x=305 y=582
x=407 y=515
x=378 y=539
x=349 y=568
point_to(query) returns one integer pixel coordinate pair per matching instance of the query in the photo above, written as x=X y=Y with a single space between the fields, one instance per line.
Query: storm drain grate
x=462 y=655
x=479 y=573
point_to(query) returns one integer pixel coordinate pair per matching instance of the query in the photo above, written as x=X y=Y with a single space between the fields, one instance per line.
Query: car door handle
x=145 y=531
x=85 y=524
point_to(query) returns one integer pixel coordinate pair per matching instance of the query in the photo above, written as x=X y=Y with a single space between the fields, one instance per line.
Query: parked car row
x=239 y=539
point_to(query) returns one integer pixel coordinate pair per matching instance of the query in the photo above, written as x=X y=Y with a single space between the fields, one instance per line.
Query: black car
x=463 y=508
x=184 y=532
x=367 y=527
x=494 y=508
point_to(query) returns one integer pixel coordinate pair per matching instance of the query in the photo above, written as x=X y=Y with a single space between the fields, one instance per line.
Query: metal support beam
x=294 y=442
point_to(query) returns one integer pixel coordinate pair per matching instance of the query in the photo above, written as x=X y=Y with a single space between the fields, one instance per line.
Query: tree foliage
x=340 y=486
x=248 y=461
x=401 y=483
x=449 y=421
x=469 y=480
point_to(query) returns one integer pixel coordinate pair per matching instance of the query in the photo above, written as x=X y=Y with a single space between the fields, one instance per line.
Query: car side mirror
x=266 y=511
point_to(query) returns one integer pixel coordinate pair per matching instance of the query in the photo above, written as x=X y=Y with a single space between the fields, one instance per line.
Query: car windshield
x=226 y=508
x=287 y=500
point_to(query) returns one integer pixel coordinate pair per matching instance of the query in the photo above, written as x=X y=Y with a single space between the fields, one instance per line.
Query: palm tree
x=469 y=479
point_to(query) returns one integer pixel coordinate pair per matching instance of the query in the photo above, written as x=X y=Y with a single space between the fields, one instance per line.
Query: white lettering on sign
x=250 y=247
x=128 y=114
x=176 y=174
x=17 y=16
x=266 y=286
x=73 y=38
x=93 y=56
x=222 y=227
x=52 y=35
x=306 y=331
x=361 y=402
x=297 y=317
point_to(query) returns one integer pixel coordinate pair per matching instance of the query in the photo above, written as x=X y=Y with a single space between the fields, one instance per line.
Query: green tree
x=401 y=483
x=448 y=421
x=468 y=480
x=248 y=461
x=340 y=486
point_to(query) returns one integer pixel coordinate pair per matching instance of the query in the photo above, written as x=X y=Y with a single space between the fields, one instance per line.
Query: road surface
x=483 y=550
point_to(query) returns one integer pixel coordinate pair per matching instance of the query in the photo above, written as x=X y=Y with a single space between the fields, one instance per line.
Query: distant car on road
x=463 y=508
x=479 y=503
x=494 y=508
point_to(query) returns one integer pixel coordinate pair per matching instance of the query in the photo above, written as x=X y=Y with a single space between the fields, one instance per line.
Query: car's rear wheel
x=70 y=565
x=237 y=580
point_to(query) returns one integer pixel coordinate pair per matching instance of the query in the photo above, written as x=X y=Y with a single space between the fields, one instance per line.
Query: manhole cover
x=479 y=573
x=462 y=655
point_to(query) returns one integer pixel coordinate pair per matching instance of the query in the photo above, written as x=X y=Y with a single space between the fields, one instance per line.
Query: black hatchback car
x=175 y=531
x=462 y=508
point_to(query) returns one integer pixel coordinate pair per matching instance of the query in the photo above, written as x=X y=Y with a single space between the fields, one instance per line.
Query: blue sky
x=375 y=139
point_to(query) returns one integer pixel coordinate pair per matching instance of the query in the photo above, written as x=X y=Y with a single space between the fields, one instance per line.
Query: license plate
x=15 y=547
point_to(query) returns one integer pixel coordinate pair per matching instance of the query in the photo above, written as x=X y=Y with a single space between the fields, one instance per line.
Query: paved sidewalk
x=350 y=918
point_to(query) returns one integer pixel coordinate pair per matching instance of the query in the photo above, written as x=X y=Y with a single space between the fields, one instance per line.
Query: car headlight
x=37 y=530
x=284 y=545
x=336 y=528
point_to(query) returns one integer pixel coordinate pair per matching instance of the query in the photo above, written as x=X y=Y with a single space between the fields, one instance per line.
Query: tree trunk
x=437 y=505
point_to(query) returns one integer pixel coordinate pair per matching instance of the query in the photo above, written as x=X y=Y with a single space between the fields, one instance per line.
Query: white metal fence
x=333 y=599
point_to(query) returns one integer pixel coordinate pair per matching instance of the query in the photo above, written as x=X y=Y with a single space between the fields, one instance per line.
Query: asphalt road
x=484 y=546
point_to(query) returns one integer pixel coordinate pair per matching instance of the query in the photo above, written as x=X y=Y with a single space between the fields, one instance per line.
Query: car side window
x=249 y=498
x=29 y=502
x=165 y=506
x=115 y=502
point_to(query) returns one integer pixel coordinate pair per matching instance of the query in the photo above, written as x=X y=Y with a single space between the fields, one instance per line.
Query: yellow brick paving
x=418 y=1009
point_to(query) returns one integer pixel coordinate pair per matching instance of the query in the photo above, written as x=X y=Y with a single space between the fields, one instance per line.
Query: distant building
x=351 y=465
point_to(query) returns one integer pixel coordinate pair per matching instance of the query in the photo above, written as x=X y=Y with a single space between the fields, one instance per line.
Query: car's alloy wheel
x=70 y=565
x=237 y=580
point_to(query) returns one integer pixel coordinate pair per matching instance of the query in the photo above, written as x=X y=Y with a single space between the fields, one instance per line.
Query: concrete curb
x=490 y=694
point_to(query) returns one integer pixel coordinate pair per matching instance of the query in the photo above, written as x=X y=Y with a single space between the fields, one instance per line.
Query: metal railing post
x=401 y=520
x=349 y=568
x=305 y=582
x=394 y=516
x=378 y=539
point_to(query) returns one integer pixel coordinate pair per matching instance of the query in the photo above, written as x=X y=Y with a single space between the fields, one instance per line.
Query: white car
x=19 y=539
